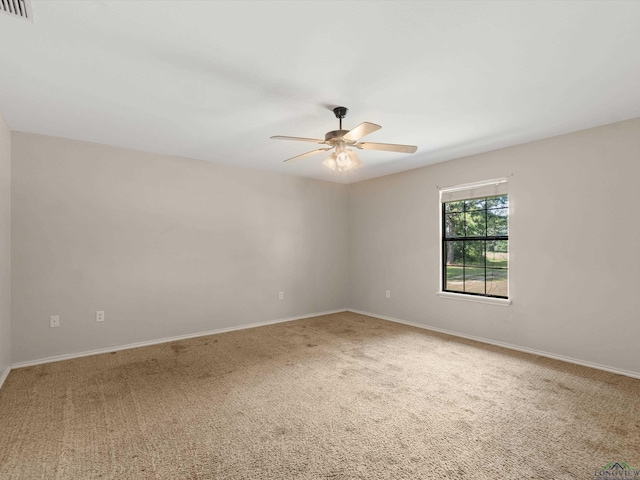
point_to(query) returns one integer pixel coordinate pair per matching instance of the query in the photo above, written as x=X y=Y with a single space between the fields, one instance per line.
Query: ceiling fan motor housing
x=334 y=134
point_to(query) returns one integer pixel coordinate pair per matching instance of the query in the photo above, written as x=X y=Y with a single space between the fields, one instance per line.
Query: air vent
x=17 y=8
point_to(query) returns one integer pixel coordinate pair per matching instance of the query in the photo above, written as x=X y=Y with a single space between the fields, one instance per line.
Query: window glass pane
x=475 y=204
x=474 y=253
x=454 y=207
x=454 y=225
x=454 y=266
x=453 y=254
x=475 y=223
x=497 y=222
x=474 y=257
x=497 y=282
x=474 y=279
x=498 y=202
x=497 y=254
x=454 y=279
x=497 y=268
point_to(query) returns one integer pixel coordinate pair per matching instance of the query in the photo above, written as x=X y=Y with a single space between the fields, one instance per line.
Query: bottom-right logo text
x=616 y=470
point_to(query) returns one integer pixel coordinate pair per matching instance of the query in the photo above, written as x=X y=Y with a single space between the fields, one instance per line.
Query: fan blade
x=300 y=139
x=308 y=154
x=388 y=147
x=361 y=130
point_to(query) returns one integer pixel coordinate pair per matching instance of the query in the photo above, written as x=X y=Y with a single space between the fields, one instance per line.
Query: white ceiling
x=213 y=80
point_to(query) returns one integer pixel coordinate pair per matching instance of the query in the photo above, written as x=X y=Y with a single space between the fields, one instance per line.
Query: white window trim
x=467 y=191
x=503 y=302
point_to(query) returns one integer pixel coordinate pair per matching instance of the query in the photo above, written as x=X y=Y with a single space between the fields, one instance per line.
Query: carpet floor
x=341 y=396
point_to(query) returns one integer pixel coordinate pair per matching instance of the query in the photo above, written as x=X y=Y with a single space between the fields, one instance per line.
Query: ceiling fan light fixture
x=342 y=161
x=330 y=162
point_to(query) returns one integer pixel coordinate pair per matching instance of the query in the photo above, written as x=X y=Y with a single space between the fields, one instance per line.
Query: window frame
x=471 y=191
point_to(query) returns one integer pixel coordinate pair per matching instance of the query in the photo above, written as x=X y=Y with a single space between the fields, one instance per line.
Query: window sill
x=503 y=302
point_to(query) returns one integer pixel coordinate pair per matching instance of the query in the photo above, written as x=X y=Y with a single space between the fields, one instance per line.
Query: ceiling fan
x=343 y=158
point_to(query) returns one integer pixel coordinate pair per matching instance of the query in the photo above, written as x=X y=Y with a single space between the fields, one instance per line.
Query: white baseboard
x=58 y=358
x=597 y=366
x=4 y=375
x=532 y=351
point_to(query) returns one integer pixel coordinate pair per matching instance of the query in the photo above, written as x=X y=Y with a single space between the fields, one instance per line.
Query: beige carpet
x=335 y=397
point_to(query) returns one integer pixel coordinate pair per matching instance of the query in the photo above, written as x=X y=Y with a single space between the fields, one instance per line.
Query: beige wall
x=574 y=236
x=170 y=246
x=5 y=249
x=165 y=246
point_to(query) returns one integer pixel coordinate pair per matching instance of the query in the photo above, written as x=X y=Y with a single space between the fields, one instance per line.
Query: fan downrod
x=340 y=113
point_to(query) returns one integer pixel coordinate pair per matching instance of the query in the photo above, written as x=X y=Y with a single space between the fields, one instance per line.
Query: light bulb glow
x=343 y=159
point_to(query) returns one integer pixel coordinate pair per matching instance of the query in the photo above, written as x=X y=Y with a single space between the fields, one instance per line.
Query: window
x=475 y=239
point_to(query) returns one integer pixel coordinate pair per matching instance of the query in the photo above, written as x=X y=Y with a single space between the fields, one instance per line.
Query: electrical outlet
x=54 y=321
x=281 y=295
x=100 y=316
x=388 y=294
